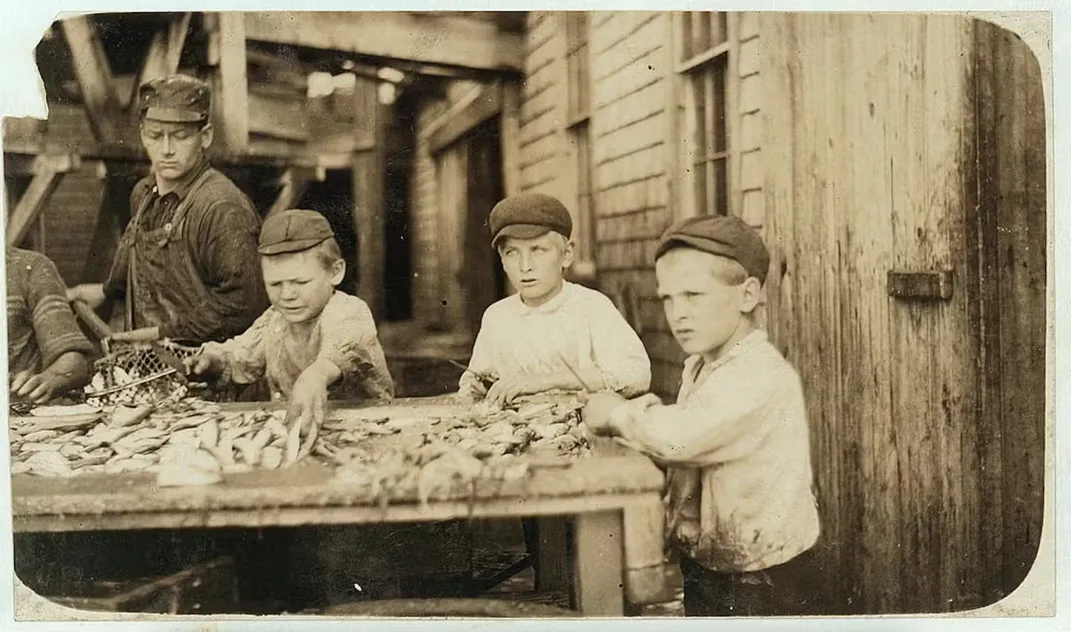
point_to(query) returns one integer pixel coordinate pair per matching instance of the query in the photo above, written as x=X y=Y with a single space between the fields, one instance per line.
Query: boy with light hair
x=541 y=338
x=741 y=510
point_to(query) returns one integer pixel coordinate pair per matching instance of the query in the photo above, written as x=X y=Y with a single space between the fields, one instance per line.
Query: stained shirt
x=344 y=333
x=579 y=324
x=205 y=282
x=40 y=324
x=737 y=449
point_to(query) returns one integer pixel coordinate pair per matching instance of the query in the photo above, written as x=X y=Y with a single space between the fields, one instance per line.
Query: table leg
x=599 y=554
x=552 y=555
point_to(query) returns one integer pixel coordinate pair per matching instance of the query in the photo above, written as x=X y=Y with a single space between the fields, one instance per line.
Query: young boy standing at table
x=741 y=511
x=313 y=339
x=551 y=330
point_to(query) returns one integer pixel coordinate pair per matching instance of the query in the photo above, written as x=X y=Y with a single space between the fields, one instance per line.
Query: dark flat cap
x=724 y=235
x=175 y=99
x=529 y=215
x=293 y=231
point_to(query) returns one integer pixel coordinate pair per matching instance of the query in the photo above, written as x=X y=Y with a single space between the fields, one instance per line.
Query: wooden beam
x=165 y=50
x=287 y=119
x=48 y=171
x=438 y=39
x=511 y=138
x=295 y=181
x=94 y=78
x=368 y=222
x=478 y=106
x=230 y=84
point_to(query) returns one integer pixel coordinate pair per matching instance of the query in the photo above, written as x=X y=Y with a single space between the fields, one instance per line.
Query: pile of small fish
x=192 y=442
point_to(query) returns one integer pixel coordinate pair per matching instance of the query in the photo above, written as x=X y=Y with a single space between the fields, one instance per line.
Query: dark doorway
x=334 y=199
x=485 y=278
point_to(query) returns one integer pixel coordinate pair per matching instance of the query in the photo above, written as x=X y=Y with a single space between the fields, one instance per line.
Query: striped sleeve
x=54 y=325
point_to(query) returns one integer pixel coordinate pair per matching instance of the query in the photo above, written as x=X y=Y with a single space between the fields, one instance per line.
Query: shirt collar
x=742 y=346
x=182 y=189
x=519 y=308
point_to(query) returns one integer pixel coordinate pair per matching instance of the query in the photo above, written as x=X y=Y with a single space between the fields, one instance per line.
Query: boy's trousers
x=790 y=589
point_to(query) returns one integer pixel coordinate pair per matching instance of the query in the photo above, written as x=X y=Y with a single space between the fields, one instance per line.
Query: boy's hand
x=39 y=388
x=598 y=410
x=204 y=364
x=308 y=403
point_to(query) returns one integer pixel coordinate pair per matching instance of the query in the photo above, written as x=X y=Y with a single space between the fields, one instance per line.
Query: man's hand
x=39 y=389
x=598 y=410
x=91 y=294
x=204 y=364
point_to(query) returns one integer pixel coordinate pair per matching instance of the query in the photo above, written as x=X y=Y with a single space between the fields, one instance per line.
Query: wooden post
x=162 y=60
x=48 y=171
x=511 y=138
x=368 y=224
x=599 y=547
x=94 y=77
x=230 y=83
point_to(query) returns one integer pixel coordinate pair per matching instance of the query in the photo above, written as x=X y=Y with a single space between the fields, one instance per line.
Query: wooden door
x=485 y=283
x=881 y=141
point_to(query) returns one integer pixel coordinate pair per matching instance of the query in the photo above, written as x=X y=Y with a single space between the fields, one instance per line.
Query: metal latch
x=929 y=285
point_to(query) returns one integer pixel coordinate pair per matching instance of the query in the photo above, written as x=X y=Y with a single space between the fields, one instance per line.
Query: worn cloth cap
x=529 y=215
x=724 y=235
x=293 y=231
x=174 y=99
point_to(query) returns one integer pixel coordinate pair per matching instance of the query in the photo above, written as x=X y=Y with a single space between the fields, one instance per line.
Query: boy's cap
x=529 y=215
x=293 y=231
x=174 y=99
x=724 y=235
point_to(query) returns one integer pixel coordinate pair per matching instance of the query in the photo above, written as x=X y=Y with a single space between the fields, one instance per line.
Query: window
x=578 y=113
x=703 y=55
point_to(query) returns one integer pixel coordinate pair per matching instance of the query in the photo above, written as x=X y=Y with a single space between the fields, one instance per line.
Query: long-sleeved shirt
x=40 y=324
x=344 y=333
x=737 y=449
x=199 y=279
x=579 y=324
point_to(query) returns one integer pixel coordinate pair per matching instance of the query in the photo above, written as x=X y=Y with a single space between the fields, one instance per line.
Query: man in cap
x=552 y=334
x=741 y=508
x=186 y=263
x=314 y=338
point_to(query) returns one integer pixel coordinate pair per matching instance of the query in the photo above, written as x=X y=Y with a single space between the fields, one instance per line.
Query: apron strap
x=179 y=214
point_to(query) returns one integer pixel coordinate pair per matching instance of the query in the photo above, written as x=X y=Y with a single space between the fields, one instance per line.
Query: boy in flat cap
x=551 y=330
x=313 y=338
x=741 y=511
x=186 y=263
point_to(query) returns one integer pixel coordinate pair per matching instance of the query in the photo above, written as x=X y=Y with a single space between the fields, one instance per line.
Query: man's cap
x=293 y=231
x=724 y=235
x=529 y=215
x=175 y=99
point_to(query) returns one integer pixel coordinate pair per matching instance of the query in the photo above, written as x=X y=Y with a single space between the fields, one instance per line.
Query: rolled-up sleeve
x=618 y=351
x=714 y=426
x=243 y=356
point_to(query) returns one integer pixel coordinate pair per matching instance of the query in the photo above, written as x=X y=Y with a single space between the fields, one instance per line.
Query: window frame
x=578 y=97
x=686 y=70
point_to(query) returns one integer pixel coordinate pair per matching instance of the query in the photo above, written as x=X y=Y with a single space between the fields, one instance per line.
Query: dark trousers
x=794 y=588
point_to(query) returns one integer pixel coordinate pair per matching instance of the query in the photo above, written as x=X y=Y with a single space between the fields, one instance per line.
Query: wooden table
x=613 y=500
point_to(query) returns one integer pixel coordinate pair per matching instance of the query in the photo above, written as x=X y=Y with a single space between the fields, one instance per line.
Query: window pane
x=712 y=188
x=720 y=184
x=686 y=36
x=700 y=32
x=699 y=176
x=711 y=113
x=700 y=114
x=718 y=87
x=719 y=27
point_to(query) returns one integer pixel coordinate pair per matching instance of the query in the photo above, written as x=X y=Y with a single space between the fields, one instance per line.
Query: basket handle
x=90 y=318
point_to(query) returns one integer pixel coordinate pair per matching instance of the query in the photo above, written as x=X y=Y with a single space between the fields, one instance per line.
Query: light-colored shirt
x=739 y=493
x=344 y=333
x=579 y=324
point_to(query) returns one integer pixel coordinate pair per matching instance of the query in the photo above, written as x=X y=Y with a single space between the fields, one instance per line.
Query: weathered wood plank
x=95 y=78
x=481 y=105
x=48 y=171
x=511 y=159
x=293 y=184
x=165 y=51
x=230 y=85
x=429 y=38
x=284 y=118
x=369 y=224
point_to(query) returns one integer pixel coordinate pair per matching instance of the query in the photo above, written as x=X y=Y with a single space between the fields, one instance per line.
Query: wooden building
x=896 y=167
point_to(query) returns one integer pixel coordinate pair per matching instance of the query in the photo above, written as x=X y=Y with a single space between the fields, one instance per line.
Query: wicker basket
x=134 y=374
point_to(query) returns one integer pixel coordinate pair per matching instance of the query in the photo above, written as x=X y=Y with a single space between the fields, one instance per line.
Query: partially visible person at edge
x=552 y=335
x=187 y=263
x=741 y=509
x=47 y=354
